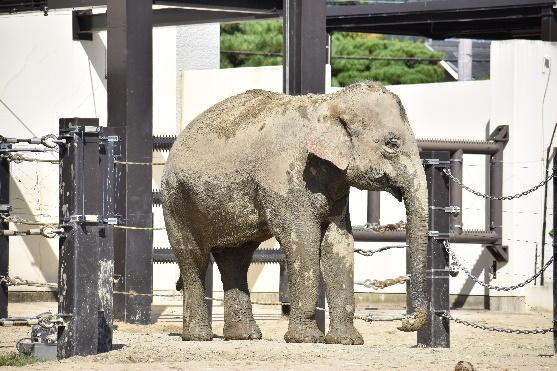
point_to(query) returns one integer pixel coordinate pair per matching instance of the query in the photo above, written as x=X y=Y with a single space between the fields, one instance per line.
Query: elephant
x=262 y=164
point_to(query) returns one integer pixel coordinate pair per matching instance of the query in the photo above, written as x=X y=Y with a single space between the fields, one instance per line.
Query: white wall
x=45 y=75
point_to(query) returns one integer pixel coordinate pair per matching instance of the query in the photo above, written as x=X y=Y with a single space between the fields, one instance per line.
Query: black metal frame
x=4 y=240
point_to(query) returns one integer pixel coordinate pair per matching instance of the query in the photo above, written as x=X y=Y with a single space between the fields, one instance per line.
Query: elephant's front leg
x=302 y=255
x=337 y=262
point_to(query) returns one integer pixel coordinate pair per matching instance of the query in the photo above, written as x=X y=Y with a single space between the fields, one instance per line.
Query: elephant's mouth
x=397 y=193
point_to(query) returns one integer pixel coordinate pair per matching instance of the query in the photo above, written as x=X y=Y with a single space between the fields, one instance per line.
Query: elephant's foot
x=416 y=323
x=243 y=330
x=344 y=334
x=306 y=332
x=197 y=333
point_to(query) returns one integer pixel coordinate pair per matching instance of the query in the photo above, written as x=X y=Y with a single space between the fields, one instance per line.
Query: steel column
x=554 y=250
x=549 y=25
x=373 y=207
x=456 y=191
x=109 y=150
x=4 y=241
x=130 y=92
x=436 y=333
x=305 y=47
x=500 y=136
x=80 y=208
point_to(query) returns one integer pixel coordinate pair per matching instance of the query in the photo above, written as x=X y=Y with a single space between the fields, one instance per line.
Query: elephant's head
x=364 y=130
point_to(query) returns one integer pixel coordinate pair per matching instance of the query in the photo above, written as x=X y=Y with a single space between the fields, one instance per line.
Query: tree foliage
x=266 y=37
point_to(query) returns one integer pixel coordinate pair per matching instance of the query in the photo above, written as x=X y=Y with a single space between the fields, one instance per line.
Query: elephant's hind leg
x=193 y=261
x=233 y=265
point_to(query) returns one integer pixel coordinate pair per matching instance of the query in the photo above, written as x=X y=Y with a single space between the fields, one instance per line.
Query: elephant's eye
x=393 y=143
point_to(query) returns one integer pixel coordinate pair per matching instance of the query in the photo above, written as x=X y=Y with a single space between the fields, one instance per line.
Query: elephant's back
x=227 y=118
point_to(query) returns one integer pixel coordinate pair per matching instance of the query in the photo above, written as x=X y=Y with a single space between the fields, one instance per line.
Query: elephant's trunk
x=416 y=202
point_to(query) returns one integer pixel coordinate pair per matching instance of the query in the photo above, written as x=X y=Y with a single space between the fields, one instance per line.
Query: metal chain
x=446 y=315
x=377 y=285
x=19 y=158
x=49 y=141
x=48 y=231
x=378 y=228
x=140 y=228
x=492 y=287
x=370 y=318
x=371 y=252
x=139 y=163
x=18 y=281
x=18 y=220
x=500 y=198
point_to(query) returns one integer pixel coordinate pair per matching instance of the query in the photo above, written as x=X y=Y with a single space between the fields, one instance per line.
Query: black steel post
x=549 y=24
x=80 y=209
x=436 y=333
x=305 y=56
x=109 y=151
x=554 y=251
x=456 y=192
x=305 y=46
x=130 y=102
x=284 y=291
x=4 y=241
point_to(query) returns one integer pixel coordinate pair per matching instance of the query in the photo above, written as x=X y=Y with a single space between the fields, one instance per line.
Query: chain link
x=18 y=281
x=49 y=140
x=487 y=285
x=500 y=198
x=371 y=252
x=19 y=158
x=446 y=315
x=377 y=285
x=139 y=163
x=370 y=318
x=381 y=228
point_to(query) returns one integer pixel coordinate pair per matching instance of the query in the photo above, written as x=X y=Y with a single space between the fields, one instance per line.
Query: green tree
x=259 y=39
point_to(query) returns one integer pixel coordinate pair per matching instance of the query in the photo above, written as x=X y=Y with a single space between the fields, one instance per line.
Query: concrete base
x=31 y=296
x=539 y=298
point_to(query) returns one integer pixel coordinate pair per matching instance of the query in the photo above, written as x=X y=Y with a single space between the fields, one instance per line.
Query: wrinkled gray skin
x=263 y=164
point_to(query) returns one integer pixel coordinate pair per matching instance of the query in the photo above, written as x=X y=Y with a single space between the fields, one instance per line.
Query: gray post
x=4 y=241
x=436 y=333
x=456 y=192
x=554 y=251
x=500 y=136
x=549 y=25
x=305 y=56
x=373 y=207
x=80 y=208
x=465 y=60
x=130 y=106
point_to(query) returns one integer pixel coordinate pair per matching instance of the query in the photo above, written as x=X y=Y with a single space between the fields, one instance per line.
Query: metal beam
x=237 y=5
x=130 y=105
x=549 y=24
x=89 y=22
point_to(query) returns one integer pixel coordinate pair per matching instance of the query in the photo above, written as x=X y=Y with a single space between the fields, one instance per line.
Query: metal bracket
x=499 y=252
x=438 y=235
x=453 y=210
x=111 y=138
x=84 y=219
x=81 y=129
x=112 y=221
x=434 y=161
x=5 y=209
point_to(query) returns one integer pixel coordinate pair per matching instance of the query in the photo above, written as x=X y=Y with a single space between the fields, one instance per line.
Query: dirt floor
x=159 y=346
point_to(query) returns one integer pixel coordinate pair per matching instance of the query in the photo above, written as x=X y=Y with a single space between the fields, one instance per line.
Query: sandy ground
x=159 y=346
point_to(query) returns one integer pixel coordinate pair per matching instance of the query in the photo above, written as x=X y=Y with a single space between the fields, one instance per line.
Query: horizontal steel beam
x=165 y=255
x=468 y=147
x=89 y=22
x=479 y=237
x=237 y=5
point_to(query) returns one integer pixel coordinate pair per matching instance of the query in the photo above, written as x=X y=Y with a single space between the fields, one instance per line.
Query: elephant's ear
x=329 y=140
